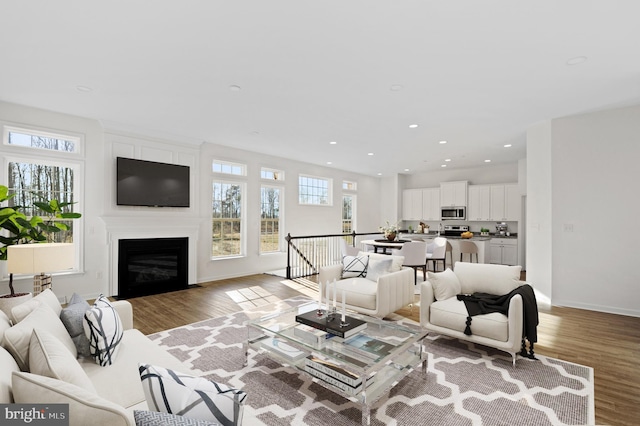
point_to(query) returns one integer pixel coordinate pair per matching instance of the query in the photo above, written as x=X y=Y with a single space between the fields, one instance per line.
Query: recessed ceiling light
x=447 y=159
x=487 y=161
x=379 y=174
x=333 y=143
x=84 y=89
x=443 y=165
x=507 y=145
x=406 y=170
x=413 y=126
x=371 y=153
x=235 y=88
x=442 y=142
x=397 y=87
x=576 y=60
x=329 y=162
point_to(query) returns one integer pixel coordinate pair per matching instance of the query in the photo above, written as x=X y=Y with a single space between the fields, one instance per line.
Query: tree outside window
x=270 y=219
x=226 y=219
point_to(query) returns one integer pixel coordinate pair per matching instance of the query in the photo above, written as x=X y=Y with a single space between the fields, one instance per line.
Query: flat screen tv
x=147 y=183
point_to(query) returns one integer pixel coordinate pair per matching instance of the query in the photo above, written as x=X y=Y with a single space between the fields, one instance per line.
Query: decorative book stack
x=332 y=323
x=334 y=374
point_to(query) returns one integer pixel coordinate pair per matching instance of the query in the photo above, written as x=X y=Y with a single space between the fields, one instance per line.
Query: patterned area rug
x=465 y=384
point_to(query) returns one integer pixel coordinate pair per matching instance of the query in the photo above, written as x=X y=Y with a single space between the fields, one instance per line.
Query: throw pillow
x=48 y=297
x=85 y=407
x=48 y=357
x=72 y=317
x=445 y=284
x=377 y=268
x=354 y=266
x=17 y=338
x=195 y=397
x=103 y=328
x=155 y=418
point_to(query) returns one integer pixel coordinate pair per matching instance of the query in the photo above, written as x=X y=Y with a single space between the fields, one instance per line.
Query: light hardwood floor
x=609 y=343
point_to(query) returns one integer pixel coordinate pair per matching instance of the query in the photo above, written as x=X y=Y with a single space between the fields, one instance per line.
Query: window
x=271 y=174
x=348 y=207
x=226 y=219
x=314 y=190
x=229 y=168
x=44 y=166
x=349 y=186
x=270 y=219
x=41 y=140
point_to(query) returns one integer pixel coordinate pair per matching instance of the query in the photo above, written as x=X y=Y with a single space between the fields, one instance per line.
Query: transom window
x=229 y=168
x=349 y=186
x=40 y=140
x=314 y=190
x=271 y=174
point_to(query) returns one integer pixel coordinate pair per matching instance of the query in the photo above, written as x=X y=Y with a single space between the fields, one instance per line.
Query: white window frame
x=278 y=175
x=280 y=219
x=243 y=218
x=348 y=185
x=230 y=164
x=35 y=155
x=353 y=212
x=329 y=182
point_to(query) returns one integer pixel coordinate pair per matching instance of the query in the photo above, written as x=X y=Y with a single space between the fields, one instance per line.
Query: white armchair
x=442 y=313
x=386 y=288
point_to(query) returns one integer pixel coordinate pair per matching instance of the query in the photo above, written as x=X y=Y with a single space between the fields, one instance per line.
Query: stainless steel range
x=455 y=230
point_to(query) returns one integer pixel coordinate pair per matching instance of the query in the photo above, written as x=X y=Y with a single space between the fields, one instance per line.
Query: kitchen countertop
x=476 y=236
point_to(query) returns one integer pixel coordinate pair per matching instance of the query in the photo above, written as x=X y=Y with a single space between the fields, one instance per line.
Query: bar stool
x=450 y=251
x=468 y=247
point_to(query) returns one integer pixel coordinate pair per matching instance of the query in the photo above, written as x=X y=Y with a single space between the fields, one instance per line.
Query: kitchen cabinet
x=412 y=204
x=453 y=194
x=503 y=251
x=479 y=207
x=505 y=202
x=431 y=204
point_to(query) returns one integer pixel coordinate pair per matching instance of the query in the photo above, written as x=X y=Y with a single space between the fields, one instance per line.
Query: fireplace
x=152 y=265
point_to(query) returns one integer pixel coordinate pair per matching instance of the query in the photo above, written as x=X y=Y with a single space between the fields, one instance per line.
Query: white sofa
x=386 y=287
x=118 y=389
x=442 y=313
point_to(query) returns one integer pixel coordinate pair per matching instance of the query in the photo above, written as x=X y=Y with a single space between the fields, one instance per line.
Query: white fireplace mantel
x=120 y=228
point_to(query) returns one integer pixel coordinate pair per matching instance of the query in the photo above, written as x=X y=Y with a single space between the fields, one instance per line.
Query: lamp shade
x=37 y=258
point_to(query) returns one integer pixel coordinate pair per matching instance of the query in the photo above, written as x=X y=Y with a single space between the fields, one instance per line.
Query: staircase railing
x=307 y=253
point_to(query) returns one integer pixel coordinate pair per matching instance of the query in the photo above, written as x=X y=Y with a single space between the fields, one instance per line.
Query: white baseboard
x=598 y=308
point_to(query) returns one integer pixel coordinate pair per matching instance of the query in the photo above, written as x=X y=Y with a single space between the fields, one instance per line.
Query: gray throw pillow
x=72 y=317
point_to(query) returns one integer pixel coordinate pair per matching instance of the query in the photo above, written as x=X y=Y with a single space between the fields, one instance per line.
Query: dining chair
x=413 y=253
x=348 y=250
x=449 y=251
x=436 y=252
x=470 y=248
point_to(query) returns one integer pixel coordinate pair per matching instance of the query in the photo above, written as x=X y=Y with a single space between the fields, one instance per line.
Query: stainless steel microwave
x=448 y=213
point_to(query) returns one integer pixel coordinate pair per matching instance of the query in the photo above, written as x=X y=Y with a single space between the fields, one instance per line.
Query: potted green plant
x=16 y=228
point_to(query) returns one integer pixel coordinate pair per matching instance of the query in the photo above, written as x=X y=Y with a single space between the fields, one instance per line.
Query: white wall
x=103 y=223
x=504 y=173
x=595 y=172
x=582 y=210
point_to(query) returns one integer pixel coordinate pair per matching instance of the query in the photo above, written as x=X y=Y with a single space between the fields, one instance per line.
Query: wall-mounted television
x=148 y=183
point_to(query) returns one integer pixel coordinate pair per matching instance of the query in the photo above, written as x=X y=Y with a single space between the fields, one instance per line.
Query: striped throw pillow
x=103 y=328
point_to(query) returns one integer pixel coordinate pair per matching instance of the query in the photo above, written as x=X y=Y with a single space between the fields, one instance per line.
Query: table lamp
x=40 y=258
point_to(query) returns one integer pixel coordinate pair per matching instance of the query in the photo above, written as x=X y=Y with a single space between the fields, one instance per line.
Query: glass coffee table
x=362 y=367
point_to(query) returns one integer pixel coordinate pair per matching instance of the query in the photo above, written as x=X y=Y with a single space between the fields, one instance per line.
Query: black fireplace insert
x=152 y=265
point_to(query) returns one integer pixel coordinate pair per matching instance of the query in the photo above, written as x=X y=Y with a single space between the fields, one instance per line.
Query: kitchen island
x=481 y=241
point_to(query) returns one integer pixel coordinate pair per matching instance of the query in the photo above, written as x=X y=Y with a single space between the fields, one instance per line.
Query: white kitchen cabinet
x=479 y=207
x=505 y=202
x=453 y=194
x=503 y=251
x=412 y=204
x=431 y=204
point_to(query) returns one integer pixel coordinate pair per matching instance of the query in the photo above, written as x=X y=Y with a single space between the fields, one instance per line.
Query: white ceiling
x=474 y=73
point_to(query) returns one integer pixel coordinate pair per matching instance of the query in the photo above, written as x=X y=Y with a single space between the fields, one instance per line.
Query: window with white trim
x=226 y=219
x=271 y=174
x=348 y=216
x=349 y=186
x=229 y=168
x=43 y=166
x=314 y=190
x=270 y=214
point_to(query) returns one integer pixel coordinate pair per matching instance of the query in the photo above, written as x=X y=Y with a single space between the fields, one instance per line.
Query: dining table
x=384 y=244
